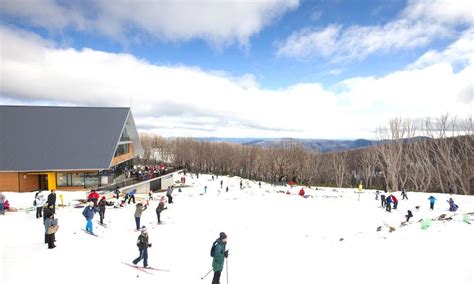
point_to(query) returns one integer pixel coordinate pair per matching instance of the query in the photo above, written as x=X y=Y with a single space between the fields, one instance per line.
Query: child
x=377 y=195
x=388 y=201
x=452 y=207
x=395 y=201
x=404 y=194
x=409 y=215
x=432 y=200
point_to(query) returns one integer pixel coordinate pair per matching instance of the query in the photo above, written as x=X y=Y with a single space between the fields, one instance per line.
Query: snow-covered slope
x=330 y=237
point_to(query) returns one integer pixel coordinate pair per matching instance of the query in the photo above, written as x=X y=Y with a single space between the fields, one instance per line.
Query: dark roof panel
x=41 y=138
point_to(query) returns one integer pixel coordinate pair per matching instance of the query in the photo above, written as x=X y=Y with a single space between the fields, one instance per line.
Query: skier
x=452 y=207
x=52 y=200
x=39 y=203
x=360 y=186
x=218 y=253
x=138 y=214
x=131 y=195
x=301 y=193
x=432 y=200
x=388 y=201
x=143 y=245
x=377 y=195
x=382 y=199
x=404 y=194
x=395 y=201
x=94 y=197
x=117 y=192
x=227 y=189
x=260 y=185
x=241 y=184
x=409 y=215
x=102 y=204
x=88 y=213
x=222 y=182
x=169 y=193
x=160 y=207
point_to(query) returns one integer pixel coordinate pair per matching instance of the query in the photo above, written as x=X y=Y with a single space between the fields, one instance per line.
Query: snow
x=273 y=237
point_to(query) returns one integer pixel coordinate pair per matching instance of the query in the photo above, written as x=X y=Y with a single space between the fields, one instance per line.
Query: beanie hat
x=222 y=235
x=143 y=229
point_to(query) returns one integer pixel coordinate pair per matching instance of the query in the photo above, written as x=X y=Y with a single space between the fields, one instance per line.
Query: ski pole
x=227 y=270
x=206 y=274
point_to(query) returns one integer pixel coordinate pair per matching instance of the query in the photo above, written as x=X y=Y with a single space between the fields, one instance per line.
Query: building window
x=76 y=179
x=91 y=179
x=125 y=136
x=122 y=149
x=62 y=179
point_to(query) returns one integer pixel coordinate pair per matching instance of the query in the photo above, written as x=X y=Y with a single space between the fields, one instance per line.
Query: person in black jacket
x=52 y=200
x=143 y=245
x=117 y=192
x=102 y=204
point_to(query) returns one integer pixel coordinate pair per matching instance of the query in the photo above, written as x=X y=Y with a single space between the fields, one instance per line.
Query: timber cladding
x=18 y=182
x=9 y=182
x=28 y=182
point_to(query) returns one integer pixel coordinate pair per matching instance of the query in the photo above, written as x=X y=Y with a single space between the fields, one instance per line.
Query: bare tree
x=338 y=165
x=367 y=163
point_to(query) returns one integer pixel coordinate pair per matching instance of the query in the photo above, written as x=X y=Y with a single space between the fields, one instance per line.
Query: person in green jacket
x=218 y=257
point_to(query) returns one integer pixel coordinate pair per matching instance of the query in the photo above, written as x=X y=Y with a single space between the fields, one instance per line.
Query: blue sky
x=274 y=68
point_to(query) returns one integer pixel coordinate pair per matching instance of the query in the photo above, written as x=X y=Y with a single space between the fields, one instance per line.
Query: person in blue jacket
x=388 y=201
x=88 y=213
x=452 y=206
x=432 y=200
x=131 y=195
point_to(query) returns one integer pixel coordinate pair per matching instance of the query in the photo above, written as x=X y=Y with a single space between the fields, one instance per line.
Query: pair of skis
x=145 y=269
x=89 y=233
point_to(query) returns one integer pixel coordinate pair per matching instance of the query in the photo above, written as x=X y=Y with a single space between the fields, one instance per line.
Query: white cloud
x=459 y=52
x=418 y=25
x=219 y=23
x=183 y=101
x=306 y=42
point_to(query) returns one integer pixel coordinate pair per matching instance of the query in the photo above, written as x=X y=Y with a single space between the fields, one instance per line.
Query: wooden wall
x=9 y=182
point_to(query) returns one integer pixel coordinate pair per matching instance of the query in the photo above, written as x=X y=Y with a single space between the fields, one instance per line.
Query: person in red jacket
x=395 y=201
x=301 y=193
x=93 y=196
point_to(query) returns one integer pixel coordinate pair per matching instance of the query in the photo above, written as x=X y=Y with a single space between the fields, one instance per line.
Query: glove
x=226 y=253
x=149 y=245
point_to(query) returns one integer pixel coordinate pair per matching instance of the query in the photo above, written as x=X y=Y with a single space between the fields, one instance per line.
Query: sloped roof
x=41 y=138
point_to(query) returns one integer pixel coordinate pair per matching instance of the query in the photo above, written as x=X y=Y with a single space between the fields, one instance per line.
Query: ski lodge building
x=66 y=148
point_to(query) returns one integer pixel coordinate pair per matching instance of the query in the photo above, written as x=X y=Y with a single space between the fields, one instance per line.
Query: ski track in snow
x=273 y=238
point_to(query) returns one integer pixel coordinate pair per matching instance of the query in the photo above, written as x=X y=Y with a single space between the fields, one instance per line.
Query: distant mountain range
x=323 y=145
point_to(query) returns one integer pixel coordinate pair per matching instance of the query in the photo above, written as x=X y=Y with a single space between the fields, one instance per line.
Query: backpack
x=213 y=248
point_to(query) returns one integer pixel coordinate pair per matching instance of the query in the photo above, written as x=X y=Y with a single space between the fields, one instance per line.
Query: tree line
x=431 y=155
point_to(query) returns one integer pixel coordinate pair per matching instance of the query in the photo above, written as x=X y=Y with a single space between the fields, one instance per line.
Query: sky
x=274 y=68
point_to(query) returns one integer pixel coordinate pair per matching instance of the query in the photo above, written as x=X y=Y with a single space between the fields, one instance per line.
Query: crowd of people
x=45 y=209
